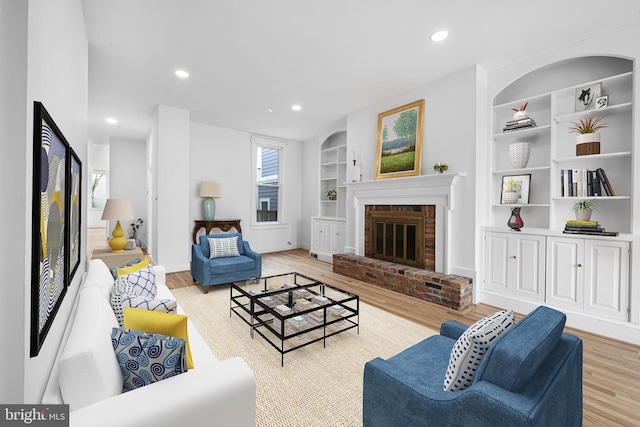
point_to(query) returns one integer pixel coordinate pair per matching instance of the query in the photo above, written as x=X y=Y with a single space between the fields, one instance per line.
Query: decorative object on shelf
x=515 y=220
x=520 y=112
x=515 y=189
x=602 y=101
x=587 y=140
x=331 y=194
x=584 y=209
x=357 y=167
x=441 y=167
x=209 y=191
x=519 y=154
x=399 y=141
x=135 y=227
x=585 y=97
x=117 y=209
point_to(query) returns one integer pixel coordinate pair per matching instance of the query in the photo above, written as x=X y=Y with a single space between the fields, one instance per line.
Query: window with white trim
x=268 y=192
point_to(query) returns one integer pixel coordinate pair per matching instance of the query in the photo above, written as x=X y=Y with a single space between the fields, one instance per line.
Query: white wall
x=98 y=155
x=128 y=180
x=13 y=169
x=43 y=46
x=449 y=134
x=224 y=156
x=172 y=144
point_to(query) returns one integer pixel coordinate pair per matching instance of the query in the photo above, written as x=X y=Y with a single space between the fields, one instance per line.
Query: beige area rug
x=317 y=386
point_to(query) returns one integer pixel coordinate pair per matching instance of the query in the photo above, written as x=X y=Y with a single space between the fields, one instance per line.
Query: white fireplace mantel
x=437 y=190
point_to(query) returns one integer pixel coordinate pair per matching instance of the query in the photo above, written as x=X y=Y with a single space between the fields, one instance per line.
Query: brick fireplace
x=431 y=197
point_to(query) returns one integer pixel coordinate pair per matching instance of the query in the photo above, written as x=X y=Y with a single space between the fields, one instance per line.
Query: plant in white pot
x=520 y=112
x=584 y=209
x=588 y=139
x=511 y=192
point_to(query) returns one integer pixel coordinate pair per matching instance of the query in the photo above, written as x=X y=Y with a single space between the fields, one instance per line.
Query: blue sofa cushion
x=204 y=242
x=512 y=361
x=230 y=264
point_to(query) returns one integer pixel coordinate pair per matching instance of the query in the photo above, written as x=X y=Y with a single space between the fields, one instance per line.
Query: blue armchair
x=208 y=272
x=531 y=376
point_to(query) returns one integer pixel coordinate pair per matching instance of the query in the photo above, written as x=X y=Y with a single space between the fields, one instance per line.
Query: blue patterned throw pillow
x=147 y=358
x=141 y=283
x=114 y=269
x=469 y=349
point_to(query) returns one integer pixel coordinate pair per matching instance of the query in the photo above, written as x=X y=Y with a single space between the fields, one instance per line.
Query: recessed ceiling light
x=182 y=74
x=296 y=107
x=111 y=120
x=438 y=36
x=269 y=110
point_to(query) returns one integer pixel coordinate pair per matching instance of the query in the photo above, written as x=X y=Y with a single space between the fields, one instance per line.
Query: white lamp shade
x=117 y=209
x=209 y=189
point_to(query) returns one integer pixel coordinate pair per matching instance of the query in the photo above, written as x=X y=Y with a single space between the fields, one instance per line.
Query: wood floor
x=611 y=369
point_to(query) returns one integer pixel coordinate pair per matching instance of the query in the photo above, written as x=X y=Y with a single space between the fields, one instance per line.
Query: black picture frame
x=75 y=213
x=524 y=183
x=50 y=215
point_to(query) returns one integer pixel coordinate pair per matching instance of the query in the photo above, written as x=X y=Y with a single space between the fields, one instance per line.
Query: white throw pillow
x=469 y=349
x=222 y=247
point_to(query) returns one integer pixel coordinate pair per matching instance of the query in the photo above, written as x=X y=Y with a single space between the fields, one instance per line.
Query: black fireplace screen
x=398 y=237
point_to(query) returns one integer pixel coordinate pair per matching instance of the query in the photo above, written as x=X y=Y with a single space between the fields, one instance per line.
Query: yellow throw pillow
x=156 y=322
x=135 y=267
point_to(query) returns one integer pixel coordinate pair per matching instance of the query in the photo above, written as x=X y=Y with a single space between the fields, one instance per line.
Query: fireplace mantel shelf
x=435 y=185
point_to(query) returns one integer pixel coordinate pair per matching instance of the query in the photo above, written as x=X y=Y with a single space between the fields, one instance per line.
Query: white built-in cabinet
x=590 y=276
x=515 y=265
x=329 y=228
x=583 y=274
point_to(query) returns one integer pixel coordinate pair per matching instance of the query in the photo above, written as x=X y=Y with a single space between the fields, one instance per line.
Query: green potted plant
x=584 y=209
x=588 y=138
x=441 y=167
x=331 y=194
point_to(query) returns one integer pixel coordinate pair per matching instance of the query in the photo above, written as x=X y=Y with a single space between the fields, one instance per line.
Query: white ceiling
x=330 y=56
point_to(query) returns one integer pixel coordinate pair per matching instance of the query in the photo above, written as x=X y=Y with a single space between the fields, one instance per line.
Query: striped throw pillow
x=222 y=247
x=469 y=349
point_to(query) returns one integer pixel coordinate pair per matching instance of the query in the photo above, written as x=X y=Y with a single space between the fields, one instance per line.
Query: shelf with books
x=522 y=133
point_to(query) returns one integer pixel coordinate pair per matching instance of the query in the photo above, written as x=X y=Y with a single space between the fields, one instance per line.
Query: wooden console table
x=223 y=224
x=117 y=258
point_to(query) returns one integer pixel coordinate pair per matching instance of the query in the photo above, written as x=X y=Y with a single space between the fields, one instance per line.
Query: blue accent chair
x=531 y=376
x=208 y=272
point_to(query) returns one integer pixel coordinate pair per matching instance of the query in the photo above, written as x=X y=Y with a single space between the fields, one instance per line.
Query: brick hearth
x=444 y=289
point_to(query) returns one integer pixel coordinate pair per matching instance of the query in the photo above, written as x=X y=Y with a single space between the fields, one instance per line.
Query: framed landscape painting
x=399 y=141
x=49 y=250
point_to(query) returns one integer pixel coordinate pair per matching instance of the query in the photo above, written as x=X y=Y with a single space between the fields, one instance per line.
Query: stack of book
x=517 y=124
x=585 y=183
x=587 y=227
x=282 y=309
x=320 y=300
x=270 y=302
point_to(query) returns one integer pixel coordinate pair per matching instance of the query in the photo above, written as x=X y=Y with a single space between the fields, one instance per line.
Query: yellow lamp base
x=118 y=242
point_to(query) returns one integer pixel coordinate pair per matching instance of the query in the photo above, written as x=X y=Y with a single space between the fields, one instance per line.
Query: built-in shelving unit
x=328 y=230
x=586 y=276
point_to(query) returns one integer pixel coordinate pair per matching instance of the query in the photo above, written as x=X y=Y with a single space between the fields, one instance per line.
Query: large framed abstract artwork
x=50 y=251
x=75 y=203
x=399 y=141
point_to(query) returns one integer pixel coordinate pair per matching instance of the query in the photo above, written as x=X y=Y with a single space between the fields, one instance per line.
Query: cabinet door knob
x=579 y=265
x=514 y=257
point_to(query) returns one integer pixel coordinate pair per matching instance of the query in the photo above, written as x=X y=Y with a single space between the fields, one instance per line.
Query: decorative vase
x=519 y=154
x=587 y=143
x=515 y=220
x=520 y=115
x=583 y=214
x=509 y=197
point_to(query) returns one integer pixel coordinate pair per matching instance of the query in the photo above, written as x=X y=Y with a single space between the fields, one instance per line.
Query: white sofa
x=87 y=375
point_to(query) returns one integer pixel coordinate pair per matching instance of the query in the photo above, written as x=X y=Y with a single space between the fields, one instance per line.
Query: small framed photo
x=515 y=189
x=586 y=97
x=602 y=101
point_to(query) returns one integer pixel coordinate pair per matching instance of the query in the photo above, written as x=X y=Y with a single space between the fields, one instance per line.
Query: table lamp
x=209 y=191
x=117 y=209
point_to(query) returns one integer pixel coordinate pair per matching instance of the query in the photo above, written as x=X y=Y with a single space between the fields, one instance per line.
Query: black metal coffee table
x=292 y=310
